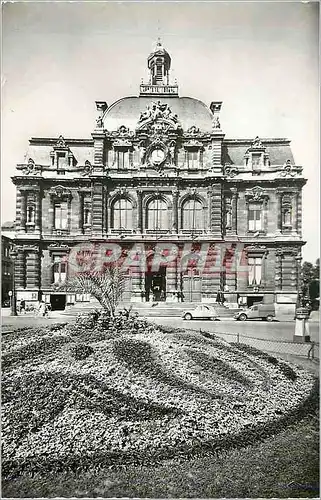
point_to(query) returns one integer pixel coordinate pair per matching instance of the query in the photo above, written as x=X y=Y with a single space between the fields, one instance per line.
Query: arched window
x=193 y=214
x=122 y=214
x=157 y=214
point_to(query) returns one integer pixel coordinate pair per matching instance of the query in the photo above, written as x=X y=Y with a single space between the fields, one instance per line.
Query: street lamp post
x=13 y=255
x=302 y=312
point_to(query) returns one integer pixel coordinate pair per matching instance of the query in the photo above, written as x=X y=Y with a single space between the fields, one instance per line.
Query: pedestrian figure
x=22 y=306
x=220 y=297
x=42 y=309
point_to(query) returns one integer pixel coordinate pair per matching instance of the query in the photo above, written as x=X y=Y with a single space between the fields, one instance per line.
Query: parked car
x=257 y=311
x=201 y=312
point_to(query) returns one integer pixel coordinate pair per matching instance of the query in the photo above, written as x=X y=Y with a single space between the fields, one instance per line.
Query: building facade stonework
x=159 y=169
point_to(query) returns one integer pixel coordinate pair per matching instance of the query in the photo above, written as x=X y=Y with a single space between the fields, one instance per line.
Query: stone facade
x=159 y=169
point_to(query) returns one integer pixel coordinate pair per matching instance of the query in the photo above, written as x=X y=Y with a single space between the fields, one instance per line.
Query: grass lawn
x=180 y=415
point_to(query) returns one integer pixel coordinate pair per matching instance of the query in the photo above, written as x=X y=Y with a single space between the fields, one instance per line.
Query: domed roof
x=127 y=111
x=159 y=50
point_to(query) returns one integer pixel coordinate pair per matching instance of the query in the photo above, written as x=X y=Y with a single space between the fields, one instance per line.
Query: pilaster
x=32 y=267
x=97 y=203
x=216 y=210
x=20 y=268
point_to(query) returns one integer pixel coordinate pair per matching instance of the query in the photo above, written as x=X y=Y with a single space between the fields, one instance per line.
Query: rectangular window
x=255 y=217
x=256 y=160
x=59 y=268
x=255 y=270
x=122 y=159
x=61 y=161
x=192 y=159
x=61 y=215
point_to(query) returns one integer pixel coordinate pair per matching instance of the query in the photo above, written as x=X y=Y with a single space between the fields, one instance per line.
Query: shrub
x=81 y=351
x=56 y=327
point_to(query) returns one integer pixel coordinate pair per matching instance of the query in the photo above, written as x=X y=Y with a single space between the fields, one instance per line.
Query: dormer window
x=193 y=154
x=256 y=156
x=61 y=157
x=256 y=160
x=122 y=154
x=61 y=162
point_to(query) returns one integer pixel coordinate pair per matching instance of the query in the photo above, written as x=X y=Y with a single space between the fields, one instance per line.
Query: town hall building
x=158 y=168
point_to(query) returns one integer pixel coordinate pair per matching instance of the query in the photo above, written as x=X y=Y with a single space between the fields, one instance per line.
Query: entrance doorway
x=58 y=302
x=253 y=299
x=192 y=286
x=155 y=285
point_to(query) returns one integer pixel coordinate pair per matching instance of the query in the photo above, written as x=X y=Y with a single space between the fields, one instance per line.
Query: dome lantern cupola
x=159 y=63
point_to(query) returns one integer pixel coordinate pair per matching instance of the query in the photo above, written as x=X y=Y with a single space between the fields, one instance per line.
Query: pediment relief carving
x=289 y=170
x=193 y=143
x=158 y=117
x=31 y=168
x=256 y=194
x=60 y=192
x=122 y=143
x=230 y=170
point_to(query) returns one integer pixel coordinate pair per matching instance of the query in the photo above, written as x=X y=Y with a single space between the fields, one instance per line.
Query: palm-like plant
x=107 y=286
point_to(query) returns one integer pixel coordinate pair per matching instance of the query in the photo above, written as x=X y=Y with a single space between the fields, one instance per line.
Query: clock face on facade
x=157 y=156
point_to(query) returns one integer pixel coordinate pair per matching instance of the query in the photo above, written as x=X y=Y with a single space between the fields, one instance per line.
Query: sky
x=260 y=59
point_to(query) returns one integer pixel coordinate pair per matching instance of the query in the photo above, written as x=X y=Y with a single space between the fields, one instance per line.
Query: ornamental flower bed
x=114 y=391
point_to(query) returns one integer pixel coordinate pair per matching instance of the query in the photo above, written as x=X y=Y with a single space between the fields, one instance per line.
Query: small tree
x=310 y=278
x=106 y=286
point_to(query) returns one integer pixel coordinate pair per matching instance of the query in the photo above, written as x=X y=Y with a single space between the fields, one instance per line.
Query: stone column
x=278 y=269
x=171 y=280
x=18 y=210
x=265 y=214
x=294 y=208
x=38 y=211
x=279 y=213
x=175 y=210
x=211 y=275
x=81 y=211
x=234 y=210
x=23 y=217
x=51 y=214
x=299 y=213
x=140 y=210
